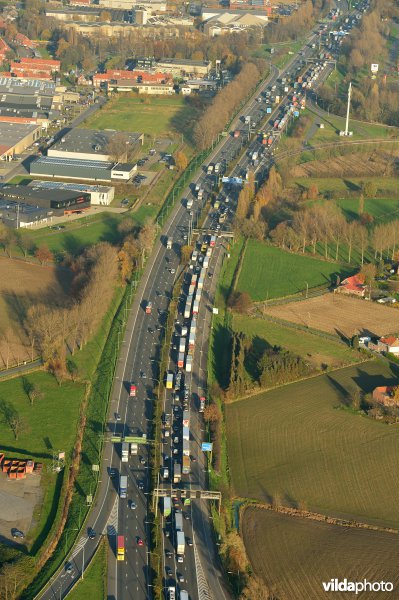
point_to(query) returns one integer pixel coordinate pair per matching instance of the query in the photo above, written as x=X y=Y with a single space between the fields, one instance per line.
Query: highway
x=132 y=416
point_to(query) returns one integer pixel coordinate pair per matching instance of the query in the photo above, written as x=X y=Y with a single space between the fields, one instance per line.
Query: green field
x=48 y=426
x=298 y=444
x=152 y=116
x=294 y=556
x=316 y=349
x=269 y=272
x=361 y=131
x=94 y=584
x=346 y=185
x=382 y=209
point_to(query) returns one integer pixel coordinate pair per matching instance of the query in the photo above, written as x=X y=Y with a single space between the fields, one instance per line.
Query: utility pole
x=348 y=107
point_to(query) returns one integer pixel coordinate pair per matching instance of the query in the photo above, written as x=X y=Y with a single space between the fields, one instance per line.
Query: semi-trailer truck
x=169 y=381
x=186 y=465
x=176 y=472
x=186 y=418
x=182 y=344
x=178 y=521
x=167 y=506
x=123 y=486
x=186 y=433
x=180 y=545
x=125 y=452
x=180 y=360
x=186 y=448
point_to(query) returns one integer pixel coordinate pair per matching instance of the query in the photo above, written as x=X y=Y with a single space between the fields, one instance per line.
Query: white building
x=99 y=194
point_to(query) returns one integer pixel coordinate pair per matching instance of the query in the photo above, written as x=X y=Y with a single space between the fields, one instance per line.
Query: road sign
x=206 y=446
x=136 y=440
x=215 y=310
x=374 y=68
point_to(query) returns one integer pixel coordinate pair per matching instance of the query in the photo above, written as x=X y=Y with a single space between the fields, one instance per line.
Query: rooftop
x=60 y=185
x=28 y=87
x=184 y=61
x=30 y=193
x=90 y=141
x=74 y=162
x=12 y=133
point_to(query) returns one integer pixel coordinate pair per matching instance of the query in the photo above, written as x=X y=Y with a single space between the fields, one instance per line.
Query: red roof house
x=383 y=394
x=389 y=343
x=353 y=285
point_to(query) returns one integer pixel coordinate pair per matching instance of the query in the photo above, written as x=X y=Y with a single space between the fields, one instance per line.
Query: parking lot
x=18 y=498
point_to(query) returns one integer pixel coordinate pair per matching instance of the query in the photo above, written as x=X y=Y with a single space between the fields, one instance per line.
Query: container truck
x=172 y=593
x=180 y=360
x=187 y=308
x=148 y=308
x=169 y=381
x=189 y=363
x=182 y=344
x=169 y=243
x=186 y=418
x=134 y=448
x=186 y=465
x=176 y=472
x=186 y=433
x=123 y=486
x=186 y=448
x=167 y=506
x=125 y=452
x=180 y=543
x=191 y=340
x=178 y=521
x=191 y=290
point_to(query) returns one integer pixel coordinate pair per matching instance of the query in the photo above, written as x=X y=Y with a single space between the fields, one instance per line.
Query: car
x=150 y=330
x=117 y=417
x=112 y=473
x=68 y=568
x=180 y=578
x=92 y=534
x=168 y=554
x=140 y=485
x=179 y=558
x=17 y=533
x=186 y=516
x=140 y=542
x=142 y=460
x=133 y=505
x=189 y=542
x=168 y=571
x=173 y=271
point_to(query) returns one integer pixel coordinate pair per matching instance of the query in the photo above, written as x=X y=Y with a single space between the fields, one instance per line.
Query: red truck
x=148 y=308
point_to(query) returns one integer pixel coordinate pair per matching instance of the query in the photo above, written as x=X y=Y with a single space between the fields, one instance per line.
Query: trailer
x=191 y=340
x=167 y=506
x=123 y=486
x=180 y=545
x=212 y=242
x=186 y=465
x=187 y=308
x=182 y=344
x=186 y=433
x=186 y=418
x=176 y=472
x=200 y=283
x=125 y=452
x=186 y=448
x=180 y=360
x=169 y=381
x=195 y=307
x=189 y=363
x=178 y=521
x=194 y=279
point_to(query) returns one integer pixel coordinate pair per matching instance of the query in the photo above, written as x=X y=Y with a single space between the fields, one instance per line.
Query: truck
x=169 y=381
x=186 y=465
x=123 y=486
x=133 y=448
x=216 y=204
x=191 y=290
x=217 y=168
x=167 y=506
x=121 y=548
x=187 y=308
x=268 y=110
x=148 y=308
x=194 y=278
x=125 y=452
x=182 y=344
x=210 y=168
x=237 y=133
x=184 y=330
x=169 y=243
x=191 y=340
x=200 y=194
x=195 y=307
x=178 y=521
x=254 y=155
x=180 y=544
x=184 y=595
x=202 y=404
x=206 y=262
x=222 y=217
x=200 y=283
x=189 y=363
x=247 y=120
x=180 y=360
x=189 y=203
x=212 y=243
x=186 y=418
x=186 y=433
x=133 y=390
x=186 y=448
x=176 y=472
x=172 y=593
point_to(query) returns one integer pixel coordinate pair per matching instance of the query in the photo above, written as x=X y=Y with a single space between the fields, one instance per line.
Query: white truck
x=180 y=545
x=134 y=448
x=189 y=203
x=169 y=243
x=125 y=452
x=171 y=593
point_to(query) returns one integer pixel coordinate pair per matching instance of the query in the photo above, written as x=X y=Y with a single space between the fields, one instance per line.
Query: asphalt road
x=111 y=515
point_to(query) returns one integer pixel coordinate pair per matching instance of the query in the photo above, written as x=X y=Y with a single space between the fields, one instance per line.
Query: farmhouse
x=353 y=286
x=384 y=394
x=388 y=344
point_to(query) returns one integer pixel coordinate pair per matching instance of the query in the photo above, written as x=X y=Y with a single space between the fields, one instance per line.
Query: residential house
x=353 y=286
x=389 y=343
x=384 y=394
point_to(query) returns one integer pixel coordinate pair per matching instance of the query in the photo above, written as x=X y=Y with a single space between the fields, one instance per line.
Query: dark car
x=92 y=534
x=17 y=533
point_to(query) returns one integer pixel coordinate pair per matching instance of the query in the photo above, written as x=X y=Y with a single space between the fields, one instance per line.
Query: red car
x=140 y=542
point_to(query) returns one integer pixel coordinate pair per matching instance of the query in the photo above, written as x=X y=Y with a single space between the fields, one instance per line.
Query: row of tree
x=225 y=103
x=298 y=22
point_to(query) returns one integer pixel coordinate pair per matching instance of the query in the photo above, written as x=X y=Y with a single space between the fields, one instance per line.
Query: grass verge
x=94 y=584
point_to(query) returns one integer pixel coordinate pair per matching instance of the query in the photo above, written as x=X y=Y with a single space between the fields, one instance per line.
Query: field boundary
x=312 y=516
x=305 y=378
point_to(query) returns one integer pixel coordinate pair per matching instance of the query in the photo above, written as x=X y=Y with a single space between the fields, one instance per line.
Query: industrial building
x=184 y=68
x=16 y=137
x=85 y=170
x=56 y=202
x=233 y=21
x=99 y=194
x=28 y=99
x=92 y=144
x=18 y=214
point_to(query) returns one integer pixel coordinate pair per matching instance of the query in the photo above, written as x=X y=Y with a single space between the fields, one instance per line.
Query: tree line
x=225 y=103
